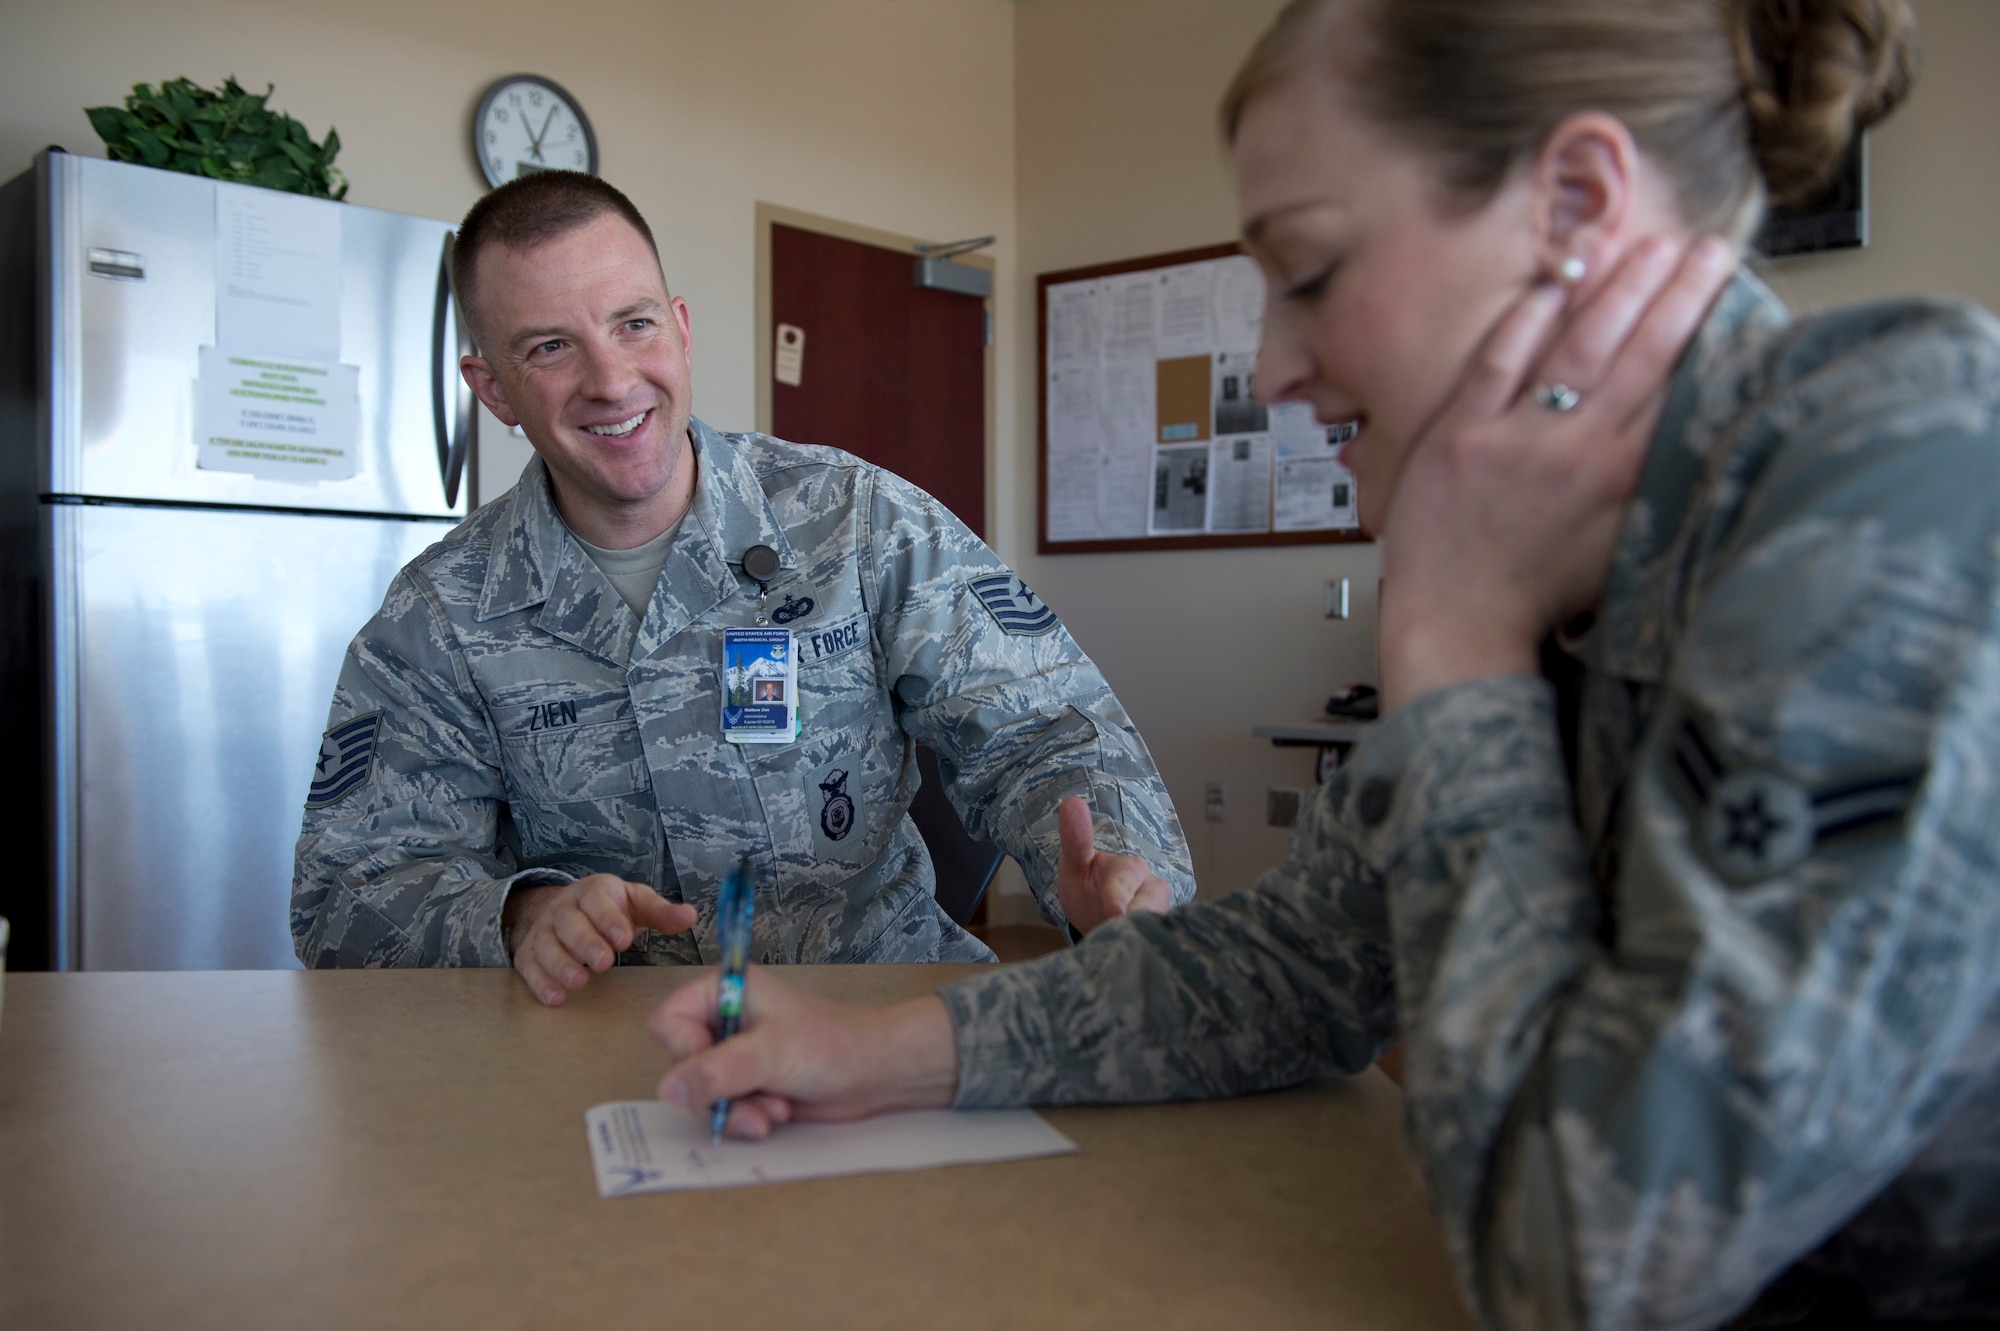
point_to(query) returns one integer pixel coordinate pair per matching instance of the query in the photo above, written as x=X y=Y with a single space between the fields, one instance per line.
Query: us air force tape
x=1753 y=823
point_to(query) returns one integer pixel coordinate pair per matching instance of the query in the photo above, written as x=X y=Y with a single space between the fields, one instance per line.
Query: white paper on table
x=1239 y=482
x=649 y=1146
x=1187 y=322
x=1239 y=303
x=284 y=419
x=277 y=270
x=1314 y=494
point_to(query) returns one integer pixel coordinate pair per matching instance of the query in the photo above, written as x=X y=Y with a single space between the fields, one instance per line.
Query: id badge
x=760 y=686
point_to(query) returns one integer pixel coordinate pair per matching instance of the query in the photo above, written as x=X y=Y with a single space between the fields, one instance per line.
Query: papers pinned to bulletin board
x=1151 y=435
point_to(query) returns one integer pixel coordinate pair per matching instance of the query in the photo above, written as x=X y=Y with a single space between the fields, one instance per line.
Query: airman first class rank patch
x=1013 y=606
x=1755 y=823
x=345 y=753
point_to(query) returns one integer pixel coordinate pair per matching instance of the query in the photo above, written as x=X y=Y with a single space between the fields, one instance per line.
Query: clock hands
x=535 y=145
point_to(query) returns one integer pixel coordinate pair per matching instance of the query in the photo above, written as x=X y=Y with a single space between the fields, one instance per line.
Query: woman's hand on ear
x=1508 y=511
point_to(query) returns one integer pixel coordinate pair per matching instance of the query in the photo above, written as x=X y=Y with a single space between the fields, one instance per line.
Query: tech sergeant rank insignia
x=346 y=753
x=1013 y=606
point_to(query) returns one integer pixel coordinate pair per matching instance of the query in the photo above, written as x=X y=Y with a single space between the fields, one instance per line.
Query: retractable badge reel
x=760 y=562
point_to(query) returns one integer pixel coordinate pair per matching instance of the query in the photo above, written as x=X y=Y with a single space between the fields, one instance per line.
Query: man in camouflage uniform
x=1720 y=1013
x=525 y=757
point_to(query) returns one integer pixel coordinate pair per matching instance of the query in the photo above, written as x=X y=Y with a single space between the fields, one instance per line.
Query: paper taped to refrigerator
x=278 y=418
x=277 y=271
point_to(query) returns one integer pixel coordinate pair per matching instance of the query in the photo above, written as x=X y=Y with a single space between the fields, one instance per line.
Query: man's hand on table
x=560 y=932
x=1094 y=885
x=799 y=1056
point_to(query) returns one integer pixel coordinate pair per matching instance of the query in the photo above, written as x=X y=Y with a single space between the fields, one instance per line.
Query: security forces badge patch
x=1013 y=606
x=836 y=816
x=831 y=809
x=346 y=753
x=1754 y=823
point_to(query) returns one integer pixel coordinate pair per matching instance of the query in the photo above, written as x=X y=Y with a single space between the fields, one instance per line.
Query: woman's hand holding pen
x=798 y=1056
x=1507 y=513
x=802 y=1057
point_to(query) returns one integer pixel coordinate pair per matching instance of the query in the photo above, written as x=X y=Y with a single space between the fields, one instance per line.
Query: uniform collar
x=1644 y=599
x=538 y=561
x=730 y=514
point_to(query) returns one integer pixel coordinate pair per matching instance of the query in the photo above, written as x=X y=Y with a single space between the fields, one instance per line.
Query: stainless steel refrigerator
x=227 y=417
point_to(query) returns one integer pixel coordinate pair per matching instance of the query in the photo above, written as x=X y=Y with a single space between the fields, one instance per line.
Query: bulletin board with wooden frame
x=1099 y=378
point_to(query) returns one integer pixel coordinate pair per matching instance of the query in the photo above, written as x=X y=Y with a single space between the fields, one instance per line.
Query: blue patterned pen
x=732 y=925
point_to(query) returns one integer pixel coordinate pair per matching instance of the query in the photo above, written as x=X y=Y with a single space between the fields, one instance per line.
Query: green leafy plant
x=225 y=134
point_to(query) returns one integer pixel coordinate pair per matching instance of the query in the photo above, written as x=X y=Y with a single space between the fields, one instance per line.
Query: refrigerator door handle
x=451 y=339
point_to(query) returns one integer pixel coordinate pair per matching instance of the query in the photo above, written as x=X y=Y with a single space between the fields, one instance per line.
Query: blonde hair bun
x=1735 y=100
x=1815 y=74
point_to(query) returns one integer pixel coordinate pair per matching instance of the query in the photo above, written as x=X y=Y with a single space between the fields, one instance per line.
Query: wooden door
x=890 y=371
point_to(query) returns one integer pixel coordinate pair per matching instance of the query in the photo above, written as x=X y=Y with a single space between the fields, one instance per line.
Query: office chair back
x=965 y=867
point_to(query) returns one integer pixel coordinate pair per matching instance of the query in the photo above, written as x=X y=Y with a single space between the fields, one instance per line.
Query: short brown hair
x=531 y=210
x=1732 y=98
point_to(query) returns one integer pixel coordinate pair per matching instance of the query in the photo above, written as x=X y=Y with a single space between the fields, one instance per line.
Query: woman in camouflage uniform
x=1686 y=928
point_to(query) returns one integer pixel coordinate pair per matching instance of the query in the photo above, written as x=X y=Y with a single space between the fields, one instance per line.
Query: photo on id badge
x=760 y=703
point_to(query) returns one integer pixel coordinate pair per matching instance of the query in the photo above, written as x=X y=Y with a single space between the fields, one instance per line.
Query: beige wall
x=1115 y=129
x=1079 y=130
x=1117 y=150
x=1934 y=198
x=895 y=114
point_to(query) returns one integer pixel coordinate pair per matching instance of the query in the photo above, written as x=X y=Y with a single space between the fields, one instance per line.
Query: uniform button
x=1373 y=801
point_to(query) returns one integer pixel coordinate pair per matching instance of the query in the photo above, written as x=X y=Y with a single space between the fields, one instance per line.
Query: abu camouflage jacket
x=506 y=719
x=1725 y=1006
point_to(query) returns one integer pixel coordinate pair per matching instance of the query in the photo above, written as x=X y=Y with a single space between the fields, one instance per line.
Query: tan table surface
x=406 y=1148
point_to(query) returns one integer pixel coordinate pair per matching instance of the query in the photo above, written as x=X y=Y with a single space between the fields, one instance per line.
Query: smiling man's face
x=584 y=350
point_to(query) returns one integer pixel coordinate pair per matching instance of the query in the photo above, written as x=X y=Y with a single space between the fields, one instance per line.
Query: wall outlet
x=1336 y=598
x=1281 y=807
x=1215 y=801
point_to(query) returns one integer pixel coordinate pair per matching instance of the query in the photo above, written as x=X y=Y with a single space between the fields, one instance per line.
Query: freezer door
x=198 y=658
x=134 y=274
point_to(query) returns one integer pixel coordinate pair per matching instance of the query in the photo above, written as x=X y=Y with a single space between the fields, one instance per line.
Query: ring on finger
x=1557 y=397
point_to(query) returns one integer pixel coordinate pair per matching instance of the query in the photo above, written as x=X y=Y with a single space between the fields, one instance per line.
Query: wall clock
x=526 y=123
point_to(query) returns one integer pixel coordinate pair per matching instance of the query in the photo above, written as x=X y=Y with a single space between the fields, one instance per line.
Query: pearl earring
x=1571 y=270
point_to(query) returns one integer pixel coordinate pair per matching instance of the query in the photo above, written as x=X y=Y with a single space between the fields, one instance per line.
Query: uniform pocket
x=578 y=763
x=911 y=933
